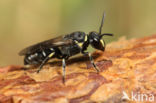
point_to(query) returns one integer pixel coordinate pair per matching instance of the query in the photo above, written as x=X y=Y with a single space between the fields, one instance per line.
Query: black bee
x=63 y=47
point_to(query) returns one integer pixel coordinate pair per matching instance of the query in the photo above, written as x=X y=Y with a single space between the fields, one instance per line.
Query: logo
x=138 y=97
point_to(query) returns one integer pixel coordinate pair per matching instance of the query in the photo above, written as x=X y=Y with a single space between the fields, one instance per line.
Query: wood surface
x=126 y=66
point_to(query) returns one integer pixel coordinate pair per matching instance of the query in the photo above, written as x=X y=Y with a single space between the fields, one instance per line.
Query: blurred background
x=25 y=22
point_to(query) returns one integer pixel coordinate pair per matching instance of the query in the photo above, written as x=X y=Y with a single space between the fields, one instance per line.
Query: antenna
x=102 y=23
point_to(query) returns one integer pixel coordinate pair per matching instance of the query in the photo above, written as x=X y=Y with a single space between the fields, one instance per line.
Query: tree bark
x=126 y=67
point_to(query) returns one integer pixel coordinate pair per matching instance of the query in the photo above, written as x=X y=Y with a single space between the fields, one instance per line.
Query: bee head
x=95 y=39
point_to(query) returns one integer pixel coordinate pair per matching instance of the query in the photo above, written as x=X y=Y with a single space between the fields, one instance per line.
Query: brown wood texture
x=126 y=65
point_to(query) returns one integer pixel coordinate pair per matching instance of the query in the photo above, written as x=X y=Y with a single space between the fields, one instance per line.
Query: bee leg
x=92 y=61
x=63 y=69
x=44 y=61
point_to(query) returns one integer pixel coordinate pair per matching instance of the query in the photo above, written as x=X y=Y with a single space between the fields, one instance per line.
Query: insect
x=63 y=47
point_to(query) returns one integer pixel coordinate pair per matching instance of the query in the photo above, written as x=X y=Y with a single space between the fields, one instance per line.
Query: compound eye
x=96 y=40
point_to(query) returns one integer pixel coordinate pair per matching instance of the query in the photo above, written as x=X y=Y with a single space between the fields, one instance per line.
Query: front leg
x=92 y=61
x=88 y=54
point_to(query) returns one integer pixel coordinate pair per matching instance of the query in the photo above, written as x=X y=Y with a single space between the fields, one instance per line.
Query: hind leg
x=45 y=61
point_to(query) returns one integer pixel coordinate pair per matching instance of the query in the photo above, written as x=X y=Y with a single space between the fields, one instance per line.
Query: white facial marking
x=102 y=42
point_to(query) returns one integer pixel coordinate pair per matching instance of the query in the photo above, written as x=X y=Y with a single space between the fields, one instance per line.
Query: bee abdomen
x=37 y=57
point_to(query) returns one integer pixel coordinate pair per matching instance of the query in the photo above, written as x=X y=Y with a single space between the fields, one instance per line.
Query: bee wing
x=52 y=43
